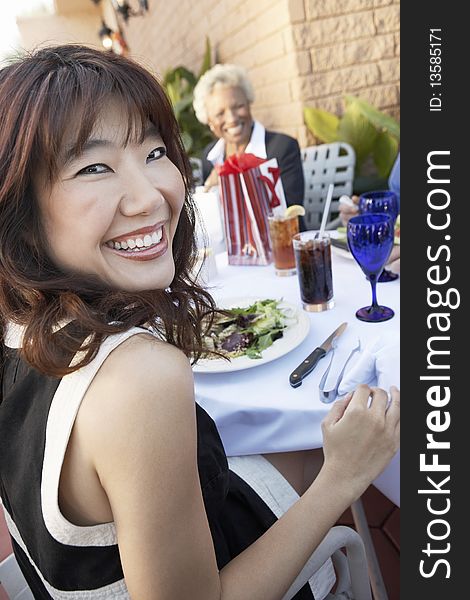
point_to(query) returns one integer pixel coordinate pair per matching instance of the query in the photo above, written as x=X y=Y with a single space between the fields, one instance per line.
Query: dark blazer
x=286 y=150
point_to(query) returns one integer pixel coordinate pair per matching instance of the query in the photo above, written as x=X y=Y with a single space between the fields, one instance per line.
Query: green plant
x=179 y=84
x=369 y=131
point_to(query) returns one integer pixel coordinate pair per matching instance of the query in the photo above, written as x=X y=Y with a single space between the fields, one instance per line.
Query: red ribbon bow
x=238 y=163
x=271 y=184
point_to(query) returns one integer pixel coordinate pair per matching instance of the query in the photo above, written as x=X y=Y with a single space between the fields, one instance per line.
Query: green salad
x=246 y=331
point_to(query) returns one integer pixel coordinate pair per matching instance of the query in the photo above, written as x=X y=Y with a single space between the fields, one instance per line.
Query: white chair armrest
x=351 y=568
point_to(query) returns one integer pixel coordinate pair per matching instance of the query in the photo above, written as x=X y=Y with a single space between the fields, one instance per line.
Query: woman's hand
x=360 y=436
x=346 y=211
x=394 y=260
x=212 y=180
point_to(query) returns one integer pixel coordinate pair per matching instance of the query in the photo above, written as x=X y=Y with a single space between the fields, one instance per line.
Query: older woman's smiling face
x=229 y=115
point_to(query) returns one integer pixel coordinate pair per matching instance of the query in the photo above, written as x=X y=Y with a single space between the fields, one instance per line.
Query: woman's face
x=113 y=210
x=229 y=115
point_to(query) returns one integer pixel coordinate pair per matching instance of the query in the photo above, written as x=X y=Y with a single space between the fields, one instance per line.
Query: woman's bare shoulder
x=144 y=364
x=145 y=361
x=144 y=384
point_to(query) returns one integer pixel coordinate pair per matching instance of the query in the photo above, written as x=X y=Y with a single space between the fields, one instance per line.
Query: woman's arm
x=140 y=422
x=358 y=443
x=139 y=416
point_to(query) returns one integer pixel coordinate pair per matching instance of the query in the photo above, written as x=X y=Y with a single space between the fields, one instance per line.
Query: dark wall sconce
x=114 y=41
x=105 y=34
x=123 y=8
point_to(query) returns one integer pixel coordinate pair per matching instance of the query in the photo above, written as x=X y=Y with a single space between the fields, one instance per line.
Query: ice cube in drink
x=313 y=261
x=282 y=230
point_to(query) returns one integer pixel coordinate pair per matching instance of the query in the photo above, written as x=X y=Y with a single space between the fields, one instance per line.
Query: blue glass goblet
x=370 y=240
x=381 y=201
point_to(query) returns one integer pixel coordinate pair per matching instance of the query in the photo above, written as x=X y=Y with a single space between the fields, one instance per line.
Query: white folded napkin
x=378 y=364
x=209 y=220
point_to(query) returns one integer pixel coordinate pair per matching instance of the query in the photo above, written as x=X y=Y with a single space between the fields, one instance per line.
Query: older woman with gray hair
x=222 y=100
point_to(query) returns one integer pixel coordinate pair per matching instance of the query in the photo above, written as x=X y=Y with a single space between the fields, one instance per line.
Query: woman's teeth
x=235 y=130
x=139 y=243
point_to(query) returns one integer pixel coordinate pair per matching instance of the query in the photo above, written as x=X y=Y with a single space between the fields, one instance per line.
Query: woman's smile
x=236 y=130
x=147 y=243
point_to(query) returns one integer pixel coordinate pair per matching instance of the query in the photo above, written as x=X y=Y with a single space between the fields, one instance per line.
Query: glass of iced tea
x=313 y=259
x=282 y=229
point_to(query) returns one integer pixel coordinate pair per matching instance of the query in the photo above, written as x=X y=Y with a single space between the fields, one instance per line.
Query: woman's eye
x=94 y=169
x=156 y=154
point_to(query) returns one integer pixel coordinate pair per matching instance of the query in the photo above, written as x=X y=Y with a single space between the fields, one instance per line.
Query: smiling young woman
x=62 y=121
x=144 y=194
x=114 y=481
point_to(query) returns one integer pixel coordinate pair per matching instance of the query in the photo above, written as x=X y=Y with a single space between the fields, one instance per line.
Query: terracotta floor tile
x=391 y=527
x=346 y=519
x=377 y=506
x=3 y=594
x=5 y=543
x=389 y=561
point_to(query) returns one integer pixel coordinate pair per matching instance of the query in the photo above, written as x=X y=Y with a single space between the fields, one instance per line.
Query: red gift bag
x=249 y=193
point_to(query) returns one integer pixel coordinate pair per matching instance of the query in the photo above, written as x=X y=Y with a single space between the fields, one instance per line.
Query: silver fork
x=330 y=395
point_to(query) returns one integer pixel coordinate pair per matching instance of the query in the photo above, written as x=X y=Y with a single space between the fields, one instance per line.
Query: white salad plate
x=298 y=325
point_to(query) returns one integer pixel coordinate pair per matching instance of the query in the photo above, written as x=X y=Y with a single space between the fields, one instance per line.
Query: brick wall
x=354 y=48
x=297 y=52
x=256 y=34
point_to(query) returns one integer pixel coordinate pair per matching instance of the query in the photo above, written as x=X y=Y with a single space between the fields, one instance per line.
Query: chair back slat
x=322 y=165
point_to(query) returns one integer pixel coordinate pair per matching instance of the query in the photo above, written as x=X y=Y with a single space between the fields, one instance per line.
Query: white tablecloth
x=256 y=410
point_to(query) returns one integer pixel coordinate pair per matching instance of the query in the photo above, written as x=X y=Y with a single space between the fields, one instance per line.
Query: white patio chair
x=351 y=569
x=196 y=166
x=322 y=165
x=12 y=580
x=352 y=579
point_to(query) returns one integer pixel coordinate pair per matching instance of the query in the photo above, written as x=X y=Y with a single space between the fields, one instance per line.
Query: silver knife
x=307 y=365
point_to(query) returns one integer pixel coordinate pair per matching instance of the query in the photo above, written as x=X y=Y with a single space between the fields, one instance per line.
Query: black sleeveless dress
x=56 y=556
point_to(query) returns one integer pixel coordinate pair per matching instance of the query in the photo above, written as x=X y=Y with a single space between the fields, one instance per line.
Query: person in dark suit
x=222 y=99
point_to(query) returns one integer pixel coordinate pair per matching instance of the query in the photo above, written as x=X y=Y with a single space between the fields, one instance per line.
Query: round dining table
x=256 y=409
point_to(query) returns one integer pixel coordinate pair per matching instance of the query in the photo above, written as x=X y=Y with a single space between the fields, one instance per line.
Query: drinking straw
x=326 y=210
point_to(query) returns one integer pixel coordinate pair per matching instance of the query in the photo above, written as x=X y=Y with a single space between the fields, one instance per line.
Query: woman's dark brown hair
x=41 y=95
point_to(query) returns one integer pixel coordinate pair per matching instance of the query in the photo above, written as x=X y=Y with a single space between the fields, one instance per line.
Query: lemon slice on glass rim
x=295 y=210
